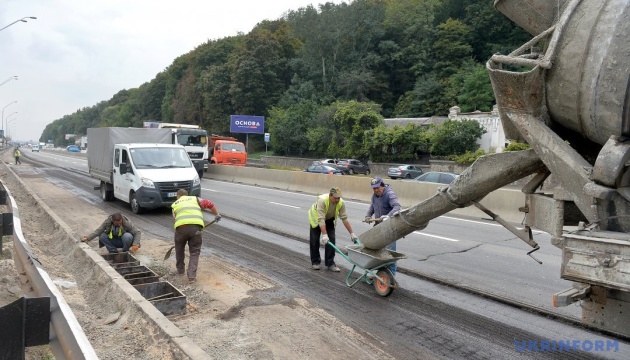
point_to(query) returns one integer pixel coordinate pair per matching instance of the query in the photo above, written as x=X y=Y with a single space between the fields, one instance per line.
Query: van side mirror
x=123 y=168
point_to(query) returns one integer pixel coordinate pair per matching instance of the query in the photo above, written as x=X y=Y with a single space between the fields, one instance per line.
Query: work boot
x=316 y=267
x=333 y=268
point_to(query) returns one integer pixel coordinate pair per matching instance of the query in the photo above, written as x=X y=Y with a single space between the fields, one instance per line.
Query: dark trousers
x=191 y=235
x=329 y=252
x=125 y=241
x=17 y=160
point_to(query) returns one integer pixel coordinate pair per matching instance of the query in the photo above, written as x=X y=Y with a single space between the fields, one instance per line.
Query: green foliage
x=455 y=137
x=451 y=48
x=469 y=157
x=476 y=90
x=516 y=146
x=283 y=167
x=396 y=143
x=289 y=126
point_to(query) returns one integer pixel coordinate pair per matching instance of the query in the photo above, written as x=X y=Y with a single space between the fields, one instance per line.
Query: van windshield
x=233 y=147
x=160 y=158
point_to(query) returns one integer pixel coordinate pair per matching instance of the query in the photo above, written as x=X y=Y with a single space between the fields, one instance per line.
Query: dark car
x=73 y=148
x=323 y=169
x=436 y=177
x=331 y=162
x=354 y=166
x=404 y=172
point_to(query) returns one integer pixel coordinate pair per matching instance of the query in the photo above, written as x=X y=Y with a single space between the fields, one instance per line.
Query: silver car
x=436 y=177
x=404 y=172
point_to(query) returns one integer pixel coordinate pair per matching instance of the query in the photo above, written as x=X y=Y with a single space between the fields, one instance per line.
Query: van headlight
x=196 y=181
x=147 y=183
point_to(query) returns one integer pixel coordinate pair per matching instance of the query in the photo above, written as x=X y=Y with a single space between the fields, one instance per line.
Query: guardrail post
x=25 y=322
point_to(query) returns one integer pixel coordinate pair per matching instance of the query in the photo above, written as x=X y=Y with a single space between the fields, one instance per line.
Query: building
x=493 y=141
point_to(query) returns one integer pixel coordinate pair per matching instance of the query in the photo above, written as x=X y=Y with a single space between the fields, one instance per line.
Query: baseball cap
x=336 y=192
x=376 y=182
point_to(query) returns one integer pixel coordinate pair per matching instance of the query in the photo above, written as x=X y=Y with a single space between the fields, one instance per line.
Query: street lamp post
x=10 y=122
x=17 y=21
x=2 y=119
x=6 y=119
x=14 y=77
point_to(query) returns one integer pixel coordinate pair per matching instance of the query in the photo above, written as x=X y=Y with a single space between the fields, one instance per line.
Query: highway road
x=470 y=253
x=266 y=229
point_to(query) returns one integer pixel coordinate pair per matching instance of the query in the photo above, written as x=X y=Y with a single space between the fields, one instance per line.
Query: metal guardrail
x=67 y=339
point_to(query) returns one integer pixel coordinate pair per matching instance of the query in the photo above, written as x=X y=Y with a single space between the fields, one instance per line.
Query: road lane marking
x=291 y=206
x=435 y=236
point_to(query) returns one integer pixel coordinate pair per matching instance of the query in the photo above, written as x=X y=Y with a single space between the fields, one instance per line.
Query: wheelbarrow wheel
x=384 y=288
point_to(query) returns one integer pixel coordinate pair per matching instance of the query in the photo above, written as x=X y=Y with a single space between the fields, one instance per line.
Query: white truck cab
x=149 y=175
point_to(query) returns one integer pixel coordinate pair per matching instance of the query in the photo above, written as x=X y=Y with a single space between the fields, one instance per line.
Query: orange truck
x=226 y=150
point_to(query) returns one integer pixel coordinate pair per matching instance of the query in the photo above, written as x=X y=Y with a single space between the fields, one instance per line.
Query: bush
x=468 y=157
x=516 y=146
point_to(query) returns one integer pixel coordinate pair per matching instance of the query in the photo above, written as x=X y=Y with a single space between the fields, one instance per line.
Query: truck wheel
x=135 y=205
x=350 y=171
x=107 y=194
x=367 y=172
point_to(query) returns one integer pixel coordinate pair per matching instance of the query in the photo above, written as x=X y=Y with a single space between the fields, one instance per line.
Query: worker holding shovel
x=188 y=215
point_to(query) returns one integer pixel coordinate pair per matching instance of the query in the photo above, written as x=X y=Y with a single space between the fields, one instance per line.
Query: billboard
x=247 y=124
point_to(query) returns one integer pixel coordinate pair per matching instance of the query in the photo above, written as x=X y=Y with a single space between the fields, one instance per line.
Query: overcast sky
x=79 y=52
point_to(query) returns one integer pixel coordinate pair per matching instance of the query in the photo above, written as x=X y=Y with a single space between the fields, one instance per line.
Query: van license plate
x=173 y=194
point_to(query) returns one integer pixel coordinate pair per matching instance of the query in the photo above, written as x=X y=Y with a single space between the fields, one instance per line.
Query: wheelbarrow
x=373 y=264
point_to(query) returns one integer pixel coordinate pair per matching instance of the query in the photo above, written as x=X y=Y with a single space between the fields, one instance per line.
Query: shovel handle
x=168 y=253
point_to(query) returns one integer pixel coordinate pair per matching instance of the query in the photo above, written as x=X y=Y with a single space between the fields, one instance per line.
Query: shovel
x=168 y=253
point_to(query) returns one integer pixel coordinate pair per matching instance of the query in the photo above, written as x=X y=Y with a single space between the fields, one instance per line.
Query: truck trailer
x=140 y=166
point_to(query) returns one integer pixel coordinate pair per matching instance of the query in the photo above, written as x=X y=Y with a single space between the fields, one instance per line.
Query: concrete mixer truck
x=566 y=93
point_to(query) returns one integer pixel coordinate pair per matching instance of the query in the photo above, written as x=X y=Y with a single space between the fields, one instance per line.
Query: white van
x=35 y=148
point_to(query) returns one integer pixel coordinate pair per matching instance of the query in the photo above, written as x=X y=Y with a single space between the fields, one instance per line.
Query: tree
x=289 y=127
x=476 y=91
x=396 y=143
x=455 y=137
x=451 y=48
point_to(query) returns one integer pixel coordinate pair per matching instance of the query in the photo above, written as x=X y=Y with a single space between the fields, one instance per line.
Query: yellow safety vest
x=312 y=213
x=187 y=211
x=119 y=231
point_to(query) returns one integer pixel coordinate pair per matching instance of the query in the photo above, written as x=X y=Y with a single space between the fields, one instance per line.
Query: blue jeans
x=393 y=266
x=116 y=242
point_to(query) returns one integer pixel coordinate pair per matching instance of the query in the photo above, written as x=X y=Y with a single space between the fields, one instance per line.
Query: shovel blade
x=168 y=253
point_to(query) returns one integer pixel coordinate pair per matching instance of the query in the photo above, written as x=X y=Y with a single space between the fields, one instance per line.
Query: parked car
x=328 y=161
x=35 y=148
x=404 y=172
x=333 y=163
x=436 y=177
x=323 y=169
x=354 y=166
x=73 y=148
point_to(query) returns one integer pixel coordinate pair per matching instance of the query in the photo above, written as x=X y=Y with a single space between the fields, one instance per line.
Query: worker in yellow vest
x=323 y=218
x=188 y=215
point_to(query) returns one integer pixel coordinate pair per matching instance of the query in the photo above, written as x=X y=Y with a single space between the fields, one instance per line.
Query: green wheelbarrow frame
x=375 y=271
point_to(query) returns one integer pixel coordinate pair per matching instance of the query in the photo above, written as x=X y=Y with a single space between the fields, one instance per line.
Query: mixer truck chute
x=570 y=101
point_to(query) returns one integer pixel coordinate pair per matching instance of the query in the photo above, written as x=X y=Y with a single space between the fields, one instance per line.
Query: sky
x=80 y=52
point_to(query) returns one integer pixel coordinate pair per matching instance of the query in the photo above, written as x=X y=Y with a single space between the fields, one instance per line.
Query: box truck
x=192 y=137
x=140 y=166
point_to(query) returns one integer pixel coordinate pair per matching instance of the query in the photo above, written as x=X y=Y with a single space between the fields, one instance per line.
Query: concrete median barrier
x=504 y=202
